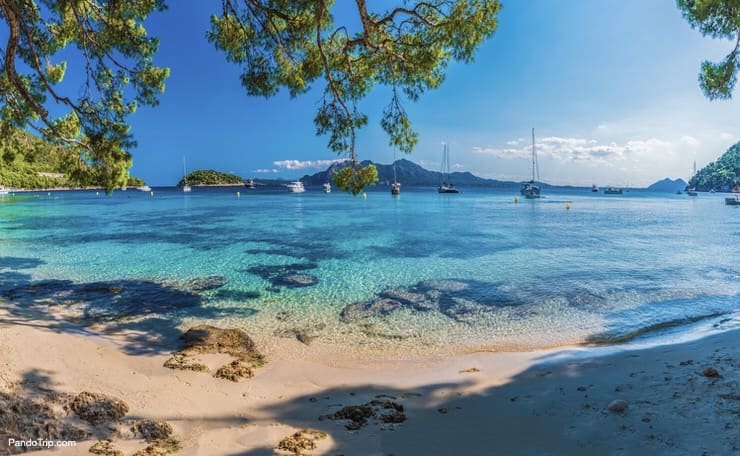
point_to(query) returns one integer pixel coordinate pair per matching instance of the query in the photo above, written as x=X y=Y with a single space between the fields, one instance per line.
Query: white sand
x=517 y=403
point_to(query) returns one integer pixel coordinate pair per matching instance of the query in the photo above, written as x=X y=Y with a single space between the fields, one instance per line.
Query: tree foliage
x=722 y=174
x=718 y=19
x=281 y=44
x=29 y=162
x=119 y=74
x=294 y=43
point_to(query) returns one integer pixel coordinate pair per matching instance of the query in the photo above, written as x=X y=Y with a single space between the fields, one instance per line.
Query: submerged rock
x=205 y=283
x=376 y=307
x=304 y=335
x=710 y=372
x=303 y=440
x=618 y=406
x=295 y=280
x=92 y=302
x=97 y=408
x=287 y=275
x=152 y=430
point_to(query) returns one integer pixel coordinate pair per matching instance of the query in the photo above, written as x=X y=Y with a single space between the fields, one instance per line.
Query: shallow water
x=421 y=273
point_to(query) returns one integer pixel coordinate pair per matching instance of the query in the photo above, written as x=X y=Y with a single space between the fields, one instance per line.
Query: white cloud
x=689 y=140
x=266 y=171
x=303 y=164
x=581 y=149
x=457 y=166
x=602 y=126
x=724 y=136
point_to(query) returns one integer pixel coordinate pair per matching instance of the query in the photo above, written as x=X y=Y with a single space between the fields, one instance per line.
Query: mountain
x=721 y=175
x=668 y=185
x=409 y=173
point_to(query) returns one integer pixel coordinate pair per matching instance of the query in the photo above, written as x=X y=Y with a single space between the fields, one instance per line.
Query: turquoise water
x=421 y=273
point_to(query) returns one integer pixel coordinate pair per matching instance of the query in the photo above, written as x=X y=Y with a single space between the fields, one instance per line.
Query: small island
x=210 y=177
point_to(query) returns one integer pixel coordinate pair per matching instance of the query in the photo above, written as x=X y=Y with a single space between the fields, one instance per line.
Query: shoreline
x=470 y=402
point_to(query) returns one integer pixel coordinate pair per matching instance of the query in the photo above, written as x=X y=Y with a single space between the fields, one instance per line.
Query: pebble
x=618 y=406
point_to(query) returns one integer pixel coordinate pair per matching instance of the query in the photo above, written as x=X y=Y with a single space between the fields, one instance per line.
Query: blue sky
x=609 y=86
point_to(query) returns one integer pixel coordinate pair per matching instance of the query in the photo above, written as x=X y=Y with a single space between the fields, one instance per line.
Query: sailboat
x=446 y=186
x=530 y=190
x=185 y=186
x=691 y=191
x=395 y=186
x=327 y=187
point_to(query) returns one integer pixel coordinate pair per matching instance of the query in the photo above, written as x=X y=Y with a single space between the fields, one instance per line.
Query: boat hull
x=530 y=191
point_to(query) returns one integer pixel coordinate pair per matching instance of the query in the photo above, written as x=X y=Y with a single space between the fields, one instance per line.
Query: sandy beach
x=680 y=398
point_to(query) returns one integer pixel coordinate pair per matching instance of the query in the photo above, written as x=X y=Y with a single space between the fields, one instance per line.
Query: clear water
x=474 y=271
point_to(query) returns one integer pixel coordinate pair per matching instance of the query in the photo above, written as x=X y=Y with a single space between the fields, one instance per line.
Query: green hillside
x=210 y=177
x=25 y=158
x=721 y=175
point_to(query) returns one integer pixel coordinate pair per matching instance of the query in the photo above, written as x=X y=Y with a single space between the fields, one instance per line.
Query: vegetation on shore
x=210 y=177
x=31 y=163
x=722 y=174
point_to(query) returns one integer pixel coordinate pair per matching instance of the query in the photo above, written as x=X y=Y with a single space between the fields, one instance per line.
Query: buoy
x=567 y=206
x=364 y=196
x=516 y=199
x=238 y=194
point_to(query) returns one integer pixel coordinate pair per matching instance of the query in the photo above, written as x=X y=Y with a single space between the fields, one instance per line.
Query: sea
x=415 y=275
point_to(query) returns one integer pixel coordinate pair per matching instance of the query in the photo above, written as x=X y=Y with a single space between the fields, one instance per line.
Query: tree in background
x=291 y=44
x=280 y=44
x=718 y=19
x=118 y=74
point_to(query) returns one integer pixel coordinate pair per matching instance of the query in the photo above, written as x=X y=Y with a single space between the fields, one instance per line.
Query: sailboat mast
x=533 y=156
x=394 y=166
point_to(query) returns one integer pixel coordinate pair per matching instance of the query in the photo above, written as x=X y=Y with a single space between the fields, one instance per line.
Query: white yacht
x=4 y=191
x=144 y=188
x=296 y=187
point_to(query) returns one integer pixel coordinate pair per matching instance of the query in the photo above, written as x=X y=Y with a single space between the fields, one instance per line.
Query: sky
x=609 y=86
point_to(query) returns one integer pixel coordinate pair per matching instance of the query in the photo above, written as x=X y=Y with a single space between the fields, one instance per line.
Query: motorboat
x=296 y=187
